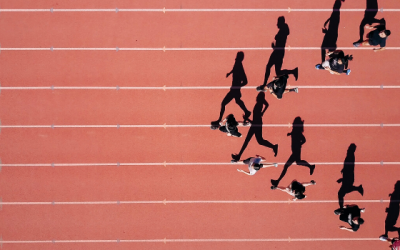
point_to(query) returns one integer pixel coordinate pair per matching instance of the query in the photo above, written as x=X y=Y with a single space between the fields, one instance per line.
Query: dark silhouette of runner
x=298 y=140
x=369 y=17
x=331 y=33
x=256 y=127
x=278 y=53
x=393 y=211
x=239 y=80
x=348 y=176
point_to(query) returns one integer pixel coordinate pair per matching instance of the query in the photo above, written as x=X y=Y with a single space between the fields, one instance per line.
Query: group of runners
x=336 y=62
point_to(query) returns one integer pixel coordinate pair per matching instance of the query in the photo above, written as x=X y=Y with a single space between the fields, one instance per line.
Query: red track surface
x=299 y=220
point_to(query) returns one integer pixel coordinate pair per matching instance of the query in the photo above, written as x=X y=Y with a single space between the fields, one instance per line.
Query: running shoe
x=383 y=237
x=274 y=182
x=356 y=44
x=260 y=88
x=348 y=72
x=235 y=157
x=319 y=66
x=296 y=90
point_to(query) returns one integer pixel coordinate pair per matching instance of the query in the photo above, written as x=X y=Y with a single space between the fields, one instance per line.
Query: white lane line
x=165 y=240
x=165 y=202
x=181 y=49
x=187 y=87
x=381 y=163
x=164 y=10
x=165 y=126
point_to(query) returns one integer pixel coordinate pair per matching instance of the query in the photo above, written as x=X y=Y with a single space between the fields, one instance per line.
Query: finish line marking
x=165 y=164
x=164 y=49
x=164 y=10
x=165 y=202
x=165 y=88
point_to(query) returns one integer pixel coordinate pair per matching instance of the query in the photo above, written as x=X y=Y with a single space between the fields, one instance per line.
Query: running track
x=126 y=178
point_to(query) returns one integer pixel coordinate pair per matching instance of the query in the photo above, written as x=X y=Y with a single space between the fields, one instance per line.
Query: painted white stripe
x=165 y=240
x=165 y=126
x=191 y=10
x=169 y=164
x=183 y=49
x=165 y=202
x=188 y=87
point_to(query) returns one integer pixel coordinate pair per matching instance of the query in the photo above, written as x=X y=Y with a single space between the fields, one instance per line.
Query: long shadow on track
x=256 y=127
x=369 y=17
x=348 y=176
x=393 y=211
x=298 y=140
x=239 y=80
x=332 y=32
x=278 y=53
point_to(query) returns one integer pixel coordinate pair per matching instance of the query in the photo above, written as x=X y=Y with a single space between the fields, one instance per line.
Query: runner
x=254 y=164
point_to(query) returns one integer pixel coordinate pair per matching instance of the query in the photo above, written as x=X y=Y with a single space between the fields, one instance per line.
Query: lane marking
x=165 y=202
x=165 y=240
x=164 y=10
x=165 y=126
x=381 y=163
x=184 y=87
x=184 y=49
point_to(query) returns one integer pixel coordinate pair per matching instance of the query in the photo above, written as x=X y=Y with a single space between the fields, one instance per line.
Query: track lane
x=197 y=30
x=188 y=145
x=185 y=183
x=191 y=107
x=186 y=4
x=101 y=222
x=179 y=68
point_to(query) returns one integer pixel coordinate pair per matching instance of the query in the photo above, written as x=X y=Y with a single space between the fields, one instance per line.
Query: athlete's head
x=257 y=166
x=384 y=33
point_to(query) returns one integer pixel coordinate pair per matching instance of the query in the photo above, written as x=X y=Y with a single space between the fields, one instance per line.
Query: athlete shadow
x=393 y=211
x=256 y=127
x=369 y=17
x=332 y=32
x=348 y=176
x=239 y=80
x=278 y=53
x=298 y=140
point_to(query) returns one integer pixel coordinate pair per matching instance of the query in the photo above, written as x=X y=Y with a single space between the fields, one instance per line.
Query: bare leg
x=268 y=166
x=308 y=183
x=291 y=90
x=365 y=43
